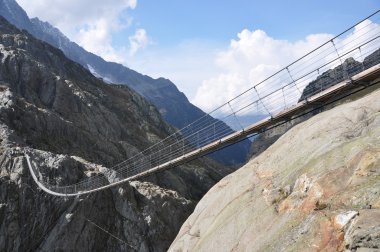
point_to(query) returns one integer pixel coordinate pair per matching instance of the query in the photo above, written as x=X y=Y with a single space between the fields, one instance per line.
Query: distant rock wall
x=350 y=67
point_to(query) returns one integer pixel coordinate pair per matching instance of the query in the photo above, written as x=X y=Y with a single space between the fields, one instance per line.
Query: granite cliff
x=317 y=188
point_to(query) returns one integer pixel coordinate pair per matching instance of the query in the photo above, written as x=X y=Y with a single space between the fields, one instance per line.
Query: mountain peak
x=47 y=27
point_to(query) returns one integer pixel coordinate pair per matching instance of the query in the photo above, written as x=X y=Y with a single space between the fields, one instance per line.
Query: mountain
x=15 y=14
x=317 y=188
x=171 y=103
x=72 y=123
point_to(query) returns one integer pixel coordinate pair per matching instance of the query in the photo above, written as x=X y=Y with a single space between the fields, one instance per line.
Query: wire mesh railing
x=340 y=58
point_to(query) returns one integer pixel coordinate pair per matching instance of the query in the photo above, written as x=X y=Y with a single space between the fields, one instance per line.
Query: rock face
x=162 y=93
x=70 y=123
x=140 y=216
x=317 y=188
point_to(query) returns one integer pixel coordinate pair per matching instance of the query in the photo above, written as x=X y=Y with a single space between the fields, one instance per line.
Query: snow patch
x=4 y=53
x=68 y=217
x=97 y=75
x=148 y=220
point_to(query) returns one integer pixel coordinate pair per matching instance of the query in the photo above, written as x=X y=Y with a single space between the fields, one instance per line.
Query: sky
x=210 y=49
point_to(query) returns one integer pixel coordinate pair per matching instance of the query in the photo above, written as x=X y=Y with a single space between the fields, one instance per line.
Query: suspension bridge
x=344 y=64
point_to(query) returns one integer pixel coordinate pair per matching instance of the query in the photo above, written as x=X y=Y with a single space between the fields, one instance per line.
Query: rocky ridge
x=333 y=76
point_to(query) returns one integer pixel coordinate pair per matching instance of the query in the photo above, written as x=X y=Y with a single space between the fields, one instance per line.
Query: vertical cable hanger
x=291 y=77
x=262 y=102
x=241 y=126
x=283 y=96
x=345 y=73
x=361 y=57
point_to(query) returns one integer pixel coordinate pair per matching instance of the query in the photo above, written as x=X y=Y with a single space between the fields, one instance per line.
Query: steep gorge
x=71 y=123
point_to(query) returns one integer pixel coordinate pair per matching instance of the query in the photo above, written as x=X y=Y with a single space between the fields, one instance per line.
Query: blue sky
x=200 y=45
x=170 y=22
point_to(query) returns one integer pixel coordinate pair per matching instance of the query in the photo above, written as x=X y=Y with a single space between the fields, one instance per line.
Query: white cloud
x=97 y=39
x=90 y=23
x=138 y=41
x=187 y=64
x=254 y=56
x=359 y=35
x=248 y=60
